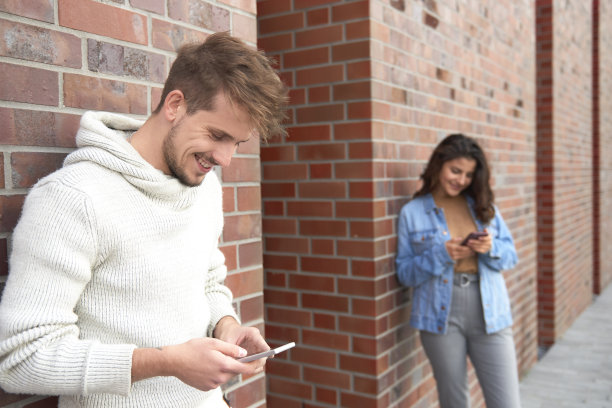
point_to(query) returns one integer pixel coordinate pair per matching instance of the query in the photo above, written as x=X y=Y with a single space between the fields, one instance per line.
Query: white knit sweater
x=110 y=254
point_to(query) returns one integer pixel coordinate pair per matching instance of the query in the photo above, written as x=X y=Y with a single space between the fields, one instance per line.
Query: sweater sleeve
x=219 y=296
x=53 y=252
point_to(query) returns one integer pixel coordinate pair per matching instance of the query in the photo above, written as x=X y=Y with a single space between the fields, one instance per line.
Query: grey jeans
x=492 y=355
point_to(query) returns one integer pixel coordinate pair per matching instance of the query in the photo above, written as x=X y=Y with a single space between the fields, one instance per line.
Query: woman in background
x=460 y=302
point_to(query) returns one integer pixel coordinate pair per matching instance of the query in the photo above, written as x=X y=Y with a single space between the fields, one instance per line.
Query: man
x=115 y=295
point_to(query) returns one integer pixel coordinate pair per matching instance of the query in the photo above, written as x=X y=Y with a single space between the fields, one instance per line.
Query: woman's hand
x=457 y=251
x=482 y=245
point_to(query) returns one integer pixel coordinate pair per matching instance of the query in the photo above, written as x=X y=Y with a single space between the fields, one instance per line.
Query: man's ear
x=173 y=104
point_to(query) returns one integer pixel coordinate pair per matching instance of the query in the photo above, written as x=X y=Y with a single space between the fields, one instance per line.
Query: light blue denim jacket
x=423 y=263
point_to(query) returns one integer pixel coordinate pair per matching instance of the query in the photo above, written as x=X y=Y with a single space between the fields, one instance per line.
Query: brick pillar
x=63 y=57
x=374 y=86
x=603 y=129
x=565 y=173
x=328 y=241
x=597 y=278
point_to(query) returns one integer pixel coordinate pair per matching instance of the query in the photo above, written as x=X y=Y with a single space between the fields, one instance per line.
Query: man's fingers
x=229 y=349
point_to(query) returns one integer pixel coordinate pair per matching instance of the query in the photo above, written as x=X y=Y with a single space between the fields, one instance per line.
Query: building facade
x=310 y=224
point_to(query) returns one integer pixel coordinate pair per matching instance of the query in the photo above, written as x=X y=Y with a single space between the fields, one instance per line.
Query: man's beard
x=171 y=161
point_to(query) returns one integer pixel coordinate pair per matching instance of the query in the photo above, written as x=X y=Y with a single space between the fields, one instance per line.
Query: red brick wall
x=603 y=132
x=596 y=156
x=60 y=58
x=565 y=213
x=375 y=85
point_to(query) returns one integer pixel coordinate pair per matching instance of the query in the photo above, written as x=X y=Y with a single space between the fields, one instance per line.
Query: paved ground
x=577 y=370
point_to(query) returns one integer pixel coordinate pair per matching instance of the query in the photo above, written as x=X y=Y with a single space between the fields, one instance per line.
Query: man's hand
x=249 y=338
x=203 y=363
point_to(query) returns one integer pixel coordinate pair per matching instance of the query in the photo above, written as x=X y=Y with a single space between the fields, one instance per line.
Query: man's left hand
x=249 y=338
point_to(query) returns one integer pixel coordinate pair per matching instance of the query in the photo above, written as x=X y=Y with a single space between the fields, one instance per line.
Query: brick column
x=374 y=86
x=63 y=57
x=603 y=130
x=565 y=172
x=597 y=278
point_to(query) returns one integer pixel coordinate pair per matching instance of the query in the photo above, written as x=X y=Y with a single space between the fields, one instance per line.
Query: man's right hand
x=203 y=363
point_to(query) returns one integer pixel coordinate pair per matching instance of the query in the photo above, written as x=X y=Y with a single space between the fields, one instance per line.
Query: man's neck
x=148 y=142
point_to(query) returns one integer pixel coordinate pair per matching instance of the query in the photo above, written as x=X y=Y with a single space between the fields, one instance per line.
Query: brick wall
x=59 y=58
x=603 y=131
x=565 y=213
x=596 y=149
x=375 y=86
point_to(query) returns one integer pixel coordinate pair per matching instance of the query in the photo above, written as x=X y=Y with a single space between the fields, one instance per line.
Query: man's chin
x=189 y=182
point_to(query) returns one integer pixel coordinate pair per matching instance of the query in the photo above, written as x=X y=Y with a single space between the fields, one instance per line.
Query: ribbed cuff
x=108 y=369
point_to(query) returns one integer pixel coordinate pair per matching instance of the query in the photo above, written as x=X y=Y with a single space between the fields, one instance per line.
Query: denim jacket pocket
x=422 y=240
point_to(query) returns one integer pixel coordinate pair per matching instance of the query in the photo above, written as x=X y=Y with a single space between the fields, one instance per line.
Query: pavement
x=576 y=371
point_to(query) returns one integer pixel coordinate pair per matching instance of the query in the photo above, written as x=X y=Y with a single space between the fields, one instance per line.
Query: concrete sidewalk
x=577 y=370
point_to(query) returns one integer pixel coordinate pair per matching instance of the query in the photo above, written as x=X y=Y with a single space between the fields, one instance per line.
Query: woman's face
x=455 y=176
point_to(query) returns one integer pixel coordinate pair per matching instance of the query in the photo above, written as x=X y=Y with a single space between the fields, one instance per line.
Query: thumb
x=229 y=349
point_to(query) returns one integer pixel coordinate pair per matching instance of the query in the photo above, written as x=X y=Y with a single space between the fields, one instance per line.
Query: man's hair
x=452 y=147
x=246 y=76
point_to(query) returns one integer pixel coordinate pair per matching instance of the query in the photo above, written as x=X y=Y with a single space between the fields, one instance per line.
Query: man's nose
x=223 y=155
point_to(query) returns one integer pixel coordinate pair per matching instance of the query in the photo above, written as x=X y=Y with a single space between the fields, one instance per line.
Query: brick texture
x=375 y=85
x=310 y=232
x=604 y=134
x=565 y=158
x=61 y=58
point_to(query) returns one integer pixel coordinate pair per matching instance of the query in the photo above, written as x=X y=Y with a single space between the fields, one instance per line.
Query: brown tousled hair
x=246 y=76
x=456 y=146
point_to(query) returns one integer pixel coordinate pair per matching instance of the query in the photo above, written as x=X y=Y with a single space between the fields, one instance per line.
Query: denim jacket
x=423 y=263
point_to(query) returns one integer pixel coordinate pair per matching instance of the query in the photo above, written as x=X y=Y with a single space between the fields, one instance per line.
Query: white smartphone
x=268 y=353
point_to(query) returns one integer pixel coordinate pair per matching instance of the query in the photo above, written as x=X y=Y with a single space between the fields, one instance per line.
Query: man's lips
x=203 y=164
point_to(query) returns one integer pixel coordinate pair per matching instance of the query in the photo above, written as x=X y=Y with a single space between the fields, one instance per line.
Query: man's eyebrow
x=218 y=133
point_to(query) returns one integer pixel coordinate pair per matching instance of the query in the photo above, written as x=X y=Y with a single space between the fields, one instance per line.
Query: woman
x=460 y=302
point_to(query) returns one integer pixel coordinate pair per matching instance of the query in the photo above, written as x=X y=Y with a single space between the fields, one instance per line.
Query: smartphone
x=268 y=353
x=474 y=235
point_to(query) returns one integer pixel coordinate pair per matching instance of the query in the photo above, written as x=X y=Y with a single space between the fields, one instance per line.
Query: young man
x=115 y=295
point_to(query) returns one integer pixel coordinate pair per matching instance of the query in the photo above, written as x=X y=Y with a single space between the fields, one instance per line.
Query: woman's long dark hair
x=456 y=146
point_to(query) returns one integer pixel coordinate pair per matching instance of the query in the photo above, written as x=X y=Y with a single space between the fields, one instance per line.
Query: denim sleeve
x=412 y=268
x=502 y=254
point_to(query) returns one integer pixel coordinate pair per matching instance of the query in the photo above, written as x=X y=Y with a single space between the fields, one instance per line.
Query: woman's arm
x=415 y=268
x=502 y=254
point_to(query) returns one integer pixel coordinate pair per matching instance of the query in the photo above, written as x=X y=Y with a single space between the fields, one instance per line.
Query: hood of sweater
x=102 y=139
